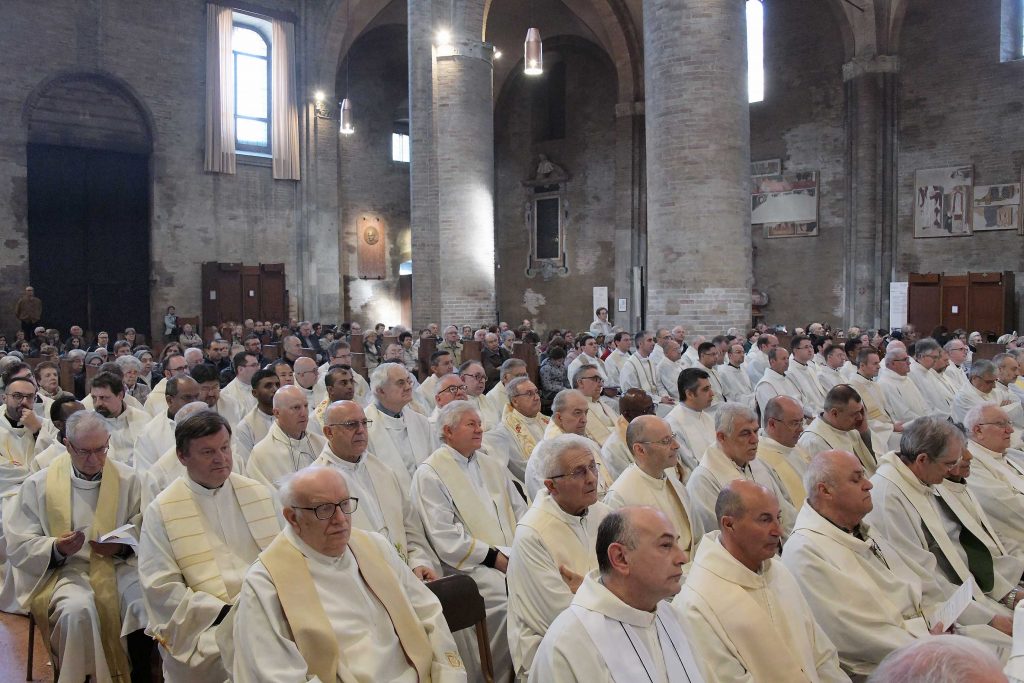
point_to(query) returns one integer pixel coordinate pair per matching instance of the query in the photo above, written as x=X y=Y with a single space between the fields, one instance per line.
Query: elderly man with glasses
x=923 y=373
x=997 y=474
x=399 y=436
x=474 y=379
x=328 y=601
x=903 y=400
x=981 y=390
x=601 y=419
x=521 y=428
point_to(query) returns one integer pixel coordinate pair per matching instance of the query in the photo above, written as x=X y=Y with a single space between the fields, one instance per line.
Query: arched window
x=755 y=50
x=251 y=51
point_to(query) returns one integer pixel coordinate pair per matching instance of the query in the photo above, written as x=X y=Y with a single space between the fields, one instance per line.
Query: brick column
x=452 y=119
x=871 y=188
x=698 y=165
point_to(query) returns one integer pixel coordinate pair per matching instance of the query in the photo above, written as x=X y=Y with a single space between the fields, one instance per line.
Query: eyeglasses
x=305 y=372
x=92 y=452
x=579 y=472
x=325 y=511
x=667 y=441
x=1002 y=424
x=453 y=390
x=533 y=394
x=479 y=377
x=20 y=397
x=352 y=425
x=595 y=378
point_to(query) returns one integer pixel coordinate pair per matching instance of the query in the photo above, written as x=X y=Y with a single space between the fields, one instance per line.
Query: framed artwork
x=996 y=207
x=941 y=201
x=785 y=205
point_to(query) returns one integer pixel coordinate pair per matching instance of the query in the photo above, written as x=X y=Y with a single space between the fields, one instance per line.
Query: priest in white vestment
x=668 y=369
x=239 y=389
x=906 y=511
x=956 y=373
x=733 y=456
x=640 y=371
x=256 y=424
x=736 y=383
x=885 y=432
x=778 y=446
x=756 y=360
x=449 y=388
x=710 y=360
x=469 y=508
x=589 y=356
x=830 y=374
x=208 y=378
x=199 y=537
x=997 y=478
x=474 y=381
x=841 y=426
x=341 y=354
x=84 y=594
x=804 y=374
x=441 y=363
x=691 y=420
x=743 y=609
x=521 y=427
x=616 y=453
x=20 y=425
x=288 y=446
x=863 y=594
x=158 y=435
x=619 y=626
x=399 y=436
x=126 y=423
x=339 y=386
x=384 y=507
x=621 y=343
x=554 y=545
x=903 y=399
x=327 y=601
x=775 y=382
x=651 y=479
x=174 y=366
x=601 y=418
x=927 y=353
x=981 y=389
x=497 y=397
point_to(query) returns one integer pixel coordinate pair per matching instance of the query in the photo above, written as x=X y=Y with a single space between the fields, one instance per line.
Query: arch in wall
x=344 y=22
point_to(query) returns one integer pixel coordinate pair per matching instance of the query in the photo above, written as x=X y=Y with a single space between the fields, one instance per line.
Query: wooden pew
x=427 y=347
x=988 y=351
x=528 y=352
x=67 y=375
x=472 y=350
x=271 y=352
x=359 y=365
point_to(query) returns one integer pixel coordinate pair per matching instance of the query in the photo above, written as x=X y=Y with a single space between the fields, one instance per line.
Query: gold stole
x=189 y=543
x=596 y=429
x=102 y=576
x=474 y=513
x=787 y=474
x=559 y=539
x=309 y=624
x=765 y=655
x=516 y=423
x=604 y=477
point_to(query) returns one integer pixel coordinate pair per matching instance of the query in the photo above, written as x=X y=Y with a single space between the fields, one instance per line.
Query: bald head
x=305 y=372
x=749 y=516
x=291 y=410
x=652 y=444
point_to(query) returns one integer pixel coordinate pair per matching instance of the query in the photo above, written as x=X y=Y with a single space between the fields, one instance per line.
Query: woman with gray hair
x=132 y=369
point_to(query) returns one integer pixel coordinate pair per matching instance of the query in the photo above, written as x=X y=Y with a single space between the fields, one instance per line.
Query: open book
x=122 y=534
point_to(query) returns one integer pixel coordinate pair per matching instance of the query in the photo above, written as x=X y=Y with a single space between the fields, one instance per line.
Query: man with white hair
x=84 y=595
x=733 y=456
x=650 y=480
x=158 y=435
x=981 y=389
x=902 y=397
x=885 y=432
x=906 y=511
x=288 y=446
x=742 y=607
x=691 y=421
x=474 y=381
x=668 y=369
x=838 y=563
x=306 y=377
x=956 y=374
x=554 y=545
x=841 y=426
x=384 y=506
x=952 y=659
x=736 y=383
x=521 y=428
x=469 y=509
x=927 y=353
x=399 y=436
x=778 y=446
x=619 y=626
x=1007 y=371
x=199 y=538
x=997 y=474
x=497 y=396
x=327 y=601
x=450 y=388
x=776 y=382
x=601 y=419
x=451 y=344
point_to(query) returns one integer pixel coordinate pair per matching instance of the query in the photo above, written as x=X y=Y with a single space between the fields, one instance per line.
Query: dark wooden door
x=88 y=221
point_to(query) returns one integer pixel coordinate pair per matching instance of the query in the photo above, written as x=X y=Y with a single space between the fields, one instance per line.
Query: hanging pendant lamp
x=346 y=118
x=533 y=53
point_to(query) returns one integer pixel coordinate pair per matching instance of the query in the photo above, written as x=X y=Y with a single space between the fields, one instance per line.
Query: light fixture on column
x=533 y=53
x=346 y=117
x=320 y=105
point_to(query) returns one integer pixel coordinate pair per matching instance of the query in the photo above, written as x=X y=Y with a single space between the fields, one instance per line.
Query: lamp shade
x=346 y=118
x=533 y=53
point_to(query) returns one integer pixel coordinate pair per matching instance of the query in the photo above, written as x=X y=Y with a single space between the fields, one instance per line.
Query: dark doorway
x=88 y=224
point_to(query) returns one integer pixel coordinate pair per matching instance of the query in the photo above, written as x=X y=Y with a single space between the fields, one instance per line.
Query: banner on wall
x=898 y=294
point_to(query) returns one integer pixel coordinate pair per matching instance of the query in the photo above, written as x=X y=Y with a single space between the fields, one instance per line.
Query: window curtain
x=220 y=91
x=285 y=114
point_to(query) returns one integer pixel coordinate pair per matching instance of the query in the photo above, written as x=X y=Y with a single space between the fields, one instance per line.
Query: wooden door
x=989 y=312
x=273 y=292
x=924 y=301
x=251 y=294
x=954 y=303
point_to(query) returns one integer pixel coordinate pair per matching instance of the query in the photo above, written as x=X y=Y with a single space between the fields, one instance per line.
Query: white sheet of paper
x=955 y=606
x=122 y=534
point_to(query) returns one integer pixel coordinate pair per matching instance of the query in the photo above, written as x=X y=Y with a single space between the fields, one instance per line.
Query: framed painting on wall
x=786 y=205
x=996 y=207
x=941 y=201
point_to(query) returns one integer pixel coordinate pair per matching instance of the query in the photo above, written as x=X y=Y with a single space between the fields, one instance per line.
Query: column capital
x=466 y=48
x=868 y=64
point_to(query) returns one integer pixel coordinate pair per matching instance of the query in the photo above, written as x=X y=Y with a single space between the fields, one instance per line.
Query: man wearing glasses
x=199 y=538
x=384 y=506
x=399 y=435
x=19 y=427
x=521 y=429
x=83 y=593
x=981 y=390
x=450 y=388
x=601 y=419
x=997 y=475
x=922 y=373
x=903 y=399
x=908 y=513
x=474 y=379
x=330 y=602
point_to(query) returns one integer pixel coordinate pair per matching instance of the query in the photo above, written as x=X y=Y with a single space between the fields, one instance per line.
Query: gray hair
x=286 y=484
x=563 y=397
x=981 y=367
x=617 y=527
x=550 y=451
x=510 y=365
x=76 y=353
x=190 y=409
x=949 y=659
x=192 y=351
x=728 y=414
x=512 y=387
x=998 y=359
x=85 y=422
x=820 y=470
x=930 y=435
x=948 y=346
x=451 y=415
x=897 y=353
x=973 y=417
x=381 y=376
x=729 y=504
x=127 y=363
x=926 y=345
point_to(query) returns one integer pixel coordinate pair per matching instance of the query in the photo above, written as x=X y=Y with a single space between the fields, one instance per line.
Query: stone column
x=869 y=243
x=698 y=165
x=452 y=121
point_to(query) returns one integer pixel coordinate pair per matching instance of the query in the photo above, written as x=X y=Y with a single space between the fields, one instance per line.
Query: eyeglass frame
x=579 y=472
x=338 y=505
x=352 y=425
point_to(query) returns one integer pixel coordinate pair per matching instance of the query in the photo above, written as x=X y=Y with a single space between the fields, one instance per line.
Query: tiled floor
x=14 y=651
